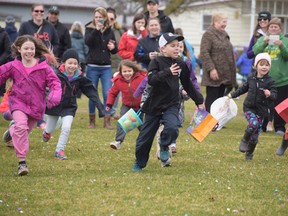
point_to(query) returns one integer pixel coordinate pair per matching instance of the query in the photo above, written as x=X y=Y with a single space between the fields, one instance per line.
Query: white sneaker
x=166 y=163
x=115 y=145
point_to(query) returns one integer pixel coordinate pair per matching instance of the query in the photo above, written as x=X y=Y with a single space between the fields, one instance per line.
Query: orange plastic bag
x=201 y=125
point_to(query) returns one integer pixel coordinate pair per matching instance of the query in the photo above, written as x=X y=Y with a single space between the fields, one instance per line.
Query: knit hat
x=264 y=14
x=168 y=37
x=70 y=53
x=261 y=56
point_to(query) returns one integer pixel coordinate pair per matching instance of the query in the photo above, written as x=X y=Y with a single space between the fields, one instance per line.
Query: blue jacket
x=245 y=64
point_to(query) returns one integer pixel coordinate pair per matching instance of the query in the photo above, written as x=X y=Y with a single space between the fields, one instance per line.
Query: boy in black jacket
x=162 y=104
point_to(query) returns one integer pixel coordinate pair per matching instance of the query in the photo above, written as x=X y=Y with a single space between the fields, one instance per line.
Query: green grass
x=208 y=178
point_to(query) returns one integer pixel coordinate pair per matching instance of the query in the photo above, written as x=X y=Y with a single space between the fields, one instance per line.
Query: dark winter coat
x=47 y=33
x=5 y=49
x=79 y=45
x=165 y=22
x=256 y=100
x=97 y=41
x=216 y=52
x=64 y=38
x=144 y=47
x=68 y=104
x=165 y=86
x=12 y=31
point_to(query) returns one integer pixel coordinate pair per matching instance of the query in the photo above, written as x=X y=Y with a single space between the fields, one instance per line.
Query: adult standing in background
x=216 y=53
x=10 y=28
x=148 y=47
x=276 y=45
x=129 y=39
x=5 y=52
x=100 y=39
x=78 y=43
x=260 y=30
x=40 y=28
x=62 y=31
x=153 y=11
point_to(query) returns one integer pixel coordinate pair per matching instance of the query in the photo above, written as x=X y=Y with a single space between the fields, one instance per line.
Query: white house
x=197 y=18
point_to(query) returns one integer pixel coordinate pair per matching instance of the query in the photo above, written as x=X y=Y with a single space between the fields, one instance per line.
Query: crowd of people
x=150 y=66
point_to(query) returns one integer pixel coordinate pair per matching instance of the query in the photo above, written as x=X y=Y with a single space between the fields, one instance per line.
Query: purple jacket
x=28 y=93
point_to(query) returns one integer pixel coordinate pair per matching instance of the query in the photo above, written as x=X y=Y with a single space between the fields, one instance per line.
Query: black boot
x=282 y=148
x=244 y=141
x=250 y=149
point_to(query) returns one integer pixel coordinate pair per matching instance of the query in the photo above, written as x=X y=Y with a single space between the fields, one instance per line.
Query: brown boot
x=107 y=123
x=92 y=121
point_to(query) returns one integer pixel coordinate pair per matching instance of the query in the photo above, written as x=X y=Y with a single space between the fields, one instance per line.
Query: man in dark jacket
x=165 y=21
x=62 y=31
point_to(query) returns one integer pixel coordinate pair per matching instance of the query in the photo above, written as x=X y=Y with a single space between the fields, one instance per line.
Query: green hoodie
x=279 y=59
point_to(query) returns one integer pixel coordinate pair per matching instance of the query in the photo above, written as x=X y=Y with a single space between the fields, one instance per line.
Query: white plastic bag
x=223 y=109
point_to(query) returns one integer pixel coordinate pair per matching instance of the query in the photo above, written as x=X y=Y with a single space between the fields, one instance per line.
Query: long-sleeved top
x=279 y=59
x=165 y=21
x=128 y=44
x=127 y=88
x=47 y=34
x=165 y=85
x=216 y=52
x=97 y=41
x=5 y=43
x=256 y=101
x=29 y=89
x=70 y=88
x=78 y=43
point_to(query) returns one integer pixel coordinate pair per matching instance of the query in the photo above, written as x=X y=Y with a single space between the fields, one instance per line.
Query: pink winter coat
x=28 y=93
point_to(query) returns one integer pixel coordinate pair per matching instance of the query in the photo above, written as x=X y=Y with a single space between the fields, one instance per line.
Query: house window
x=206 y=22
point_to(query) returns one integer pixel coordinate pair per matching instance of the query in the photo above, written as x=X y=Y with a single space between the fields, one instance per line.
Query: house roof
x=63 y=3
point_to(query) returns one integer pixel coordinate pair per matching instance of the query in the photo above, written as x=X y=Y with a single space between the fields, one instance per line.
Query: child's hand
x=266 y=92
x=266 y=39
x=175 y=69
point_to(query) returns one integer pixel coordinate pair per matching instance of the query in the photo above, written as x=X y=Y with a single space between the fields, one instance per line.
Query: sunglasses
x=39 y=11
x=264 y=19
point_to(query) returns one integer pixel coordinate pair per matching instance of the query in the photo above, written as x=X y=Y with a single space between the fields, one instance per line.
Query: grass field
x=208 y=178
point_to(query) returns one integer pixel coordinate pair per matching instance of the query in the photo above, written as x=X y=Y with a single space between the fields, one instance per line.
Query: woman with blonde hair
x=216 y=53
x=101 y=42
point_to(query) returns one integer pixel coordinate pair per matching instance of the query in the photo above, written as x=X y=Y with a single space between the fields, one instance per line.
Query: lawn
x=208 y=178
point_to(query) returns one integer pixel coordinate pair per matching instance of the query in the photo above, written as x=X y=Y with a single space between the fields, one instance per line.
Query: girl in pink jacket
x=30 y=74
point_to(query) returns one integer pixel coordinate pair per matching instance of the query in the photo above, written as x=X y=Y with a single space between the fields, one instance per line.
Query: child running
x=261 y=91
x=129 y=77
x=162 y=104
x=30 y=74
x=72 y=80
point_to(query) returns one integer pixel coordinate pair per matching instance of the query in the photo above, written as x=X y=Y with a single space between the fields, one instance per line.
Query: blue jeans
x=94 y=74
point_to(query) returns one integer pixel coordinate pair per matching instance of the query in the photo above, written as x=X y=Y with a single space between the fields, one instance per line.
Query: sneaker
x=280 y=132
x=60 y=155
x=164 y=155
x=115 y=145
x=136 y=168
x=46 y=136
x=166 y=163
x=7 y=136
x=269 y=126
x=22 y=169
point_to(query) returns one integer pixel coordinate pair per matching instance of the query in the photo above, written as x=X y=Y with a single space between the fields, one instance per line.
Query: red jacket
x=4 y=105
x=128 y=43
x=127 y=88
